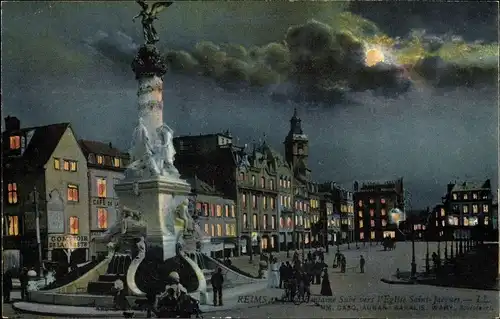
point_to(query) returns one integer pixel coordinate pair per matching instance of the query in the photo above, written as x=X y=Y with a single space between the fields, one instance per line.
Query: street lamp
x=413 y=262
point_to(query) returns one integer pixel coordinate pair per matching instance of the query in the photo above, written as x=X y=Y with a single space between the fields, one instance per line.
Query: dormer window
x=116 y=161
x=91 y=159
x=100 y=159
x=12 y=193
x=15 y=142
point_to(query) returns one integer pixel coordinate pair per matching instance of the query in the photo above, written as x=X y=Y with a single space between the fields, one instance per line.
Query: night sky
x=244 y=66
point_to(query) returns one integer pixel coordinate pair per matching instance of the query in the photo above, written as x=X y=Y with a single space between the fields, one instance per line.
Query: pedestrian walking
x=217 y=281
x=317 y=272
x=7 y=286
x=23 y=278
x=343 y=263
x=282 y=272
x=326 y=289
x=362 y=264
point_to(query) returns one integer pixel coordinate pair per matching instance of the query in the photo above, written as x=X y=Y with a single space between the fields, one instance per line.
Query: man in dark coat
x=309 y=256
x=362 y=264
x=7 y=286
x=217 y=281
x=282 y=274
x=23 y=278
x=317 y=272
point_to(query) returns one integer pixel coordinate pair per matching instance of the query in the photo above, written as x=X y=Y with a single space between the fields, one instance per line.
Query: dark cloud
x=231 y=67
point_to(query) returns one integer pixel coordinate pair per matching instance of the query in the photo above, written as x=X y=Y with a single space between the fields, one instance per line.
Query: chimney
x=12 y=123
x=110 y=145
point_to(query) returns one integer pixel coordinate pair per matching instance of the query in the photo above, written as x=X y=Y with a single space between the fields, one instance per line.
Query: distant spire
x=295 y=113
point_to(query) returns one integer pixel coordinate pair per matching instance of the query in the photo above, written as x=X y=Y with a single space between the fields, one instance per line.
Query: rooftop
x=470 y=186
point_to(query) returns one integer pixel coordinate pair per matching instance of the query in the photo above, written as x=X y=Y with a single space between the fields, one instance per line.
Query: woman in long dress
x=275 y=273
x=326 y=289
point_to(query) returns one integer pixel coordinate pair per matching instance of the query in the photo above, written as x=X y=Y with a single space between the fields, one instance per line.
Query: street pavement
x=364 y=295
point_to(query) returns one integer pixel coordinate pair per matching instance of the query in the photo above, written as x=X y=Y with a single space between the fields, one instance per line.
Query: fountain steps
x=117 y=269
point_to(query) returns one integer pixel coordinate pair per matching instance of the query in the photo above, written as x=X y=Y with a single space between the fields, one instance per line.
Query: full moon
x=373 y=56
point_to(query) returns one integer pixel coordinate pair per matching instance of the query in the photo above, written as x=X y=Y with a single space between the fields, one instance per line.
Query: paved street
x=361 y=295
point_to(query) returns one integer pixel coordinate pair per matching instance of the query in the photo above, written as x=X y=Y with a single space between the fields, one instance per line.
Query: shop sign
x=104 y=202
x=68 y=242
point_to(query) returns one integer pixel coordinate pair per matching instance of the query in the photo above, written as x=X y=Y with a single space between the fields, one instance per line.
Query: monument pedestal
x=157 y=199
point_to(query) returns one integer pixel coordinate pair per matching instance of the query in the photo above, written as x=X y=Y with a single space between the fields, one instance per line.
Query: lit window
x=465 y=208
x=12 y=193
x=360 y=224
x=382 y=200
x=100 y=159
x=101 y=187
x=466 y=221
x=372 y=223
x=207 y=229
x=213 y=230
x=226 y=210
x=254 y=183
x=486 y=220
x=475 y=209
x=372 y=212
x=273 y=222
x=228 y=230
x=74 y=225
x=116 y=162
x=233 y=230
x=244 y=200
x=254 y=201
x=233 y=214
x=15 y=142
x=360 y=214
x=271 y=184
x=384 y=223
x=13 y=227
x=264 y=202
x=474 y=195
x=372 y=201
x=361 y=236
x=263 y=182
x=383 y=212
x=255 y=221
x=466 y=196
x=66 y=165
x=245 y=221
x=281 y=181
x=102 y=218
x=219 y=230
x=219 y=210
x=282 y=222
x=204 y=209
x=72 y=166
x=372 y=235
x=273 y=203
x=289 y=184
x=485 y=208
x=242 y=176
x=360 y=203
x=264 y=221
x=57 y=164
x=443 y=212
x=455 y=196
x=73 y=195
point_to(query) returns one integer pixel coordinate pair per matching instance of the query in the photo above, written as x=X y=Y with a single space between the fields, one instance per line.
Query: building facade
x=49 y=160
x=344 y=210
x=216 y=216
x=377 y=206
x=106 y=166
x=469 y=204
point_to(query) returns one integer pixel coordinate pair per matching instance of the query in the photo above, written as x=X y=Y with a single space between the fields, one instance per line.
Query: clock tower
x=296 y=145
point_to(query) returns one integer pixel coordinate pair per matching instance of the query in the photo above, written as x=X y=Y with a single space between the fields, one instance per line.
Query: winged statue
x=148 y=14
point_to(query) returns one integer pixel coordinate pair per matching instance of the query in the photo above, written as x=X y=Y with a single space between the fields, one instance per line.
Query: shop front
x=68 y=249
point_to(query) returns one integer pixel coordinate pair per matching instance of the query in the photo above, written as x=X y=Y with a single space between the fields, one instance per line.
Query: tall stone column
x=149 y=68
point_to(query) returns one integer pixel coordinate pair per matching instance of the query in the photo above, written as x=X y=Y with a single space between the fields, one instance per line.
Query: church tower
x=296 y=145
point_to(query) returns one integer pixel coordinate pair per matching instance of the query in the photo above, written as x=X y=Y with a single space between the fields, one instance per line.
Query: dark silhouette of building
x=377 y=207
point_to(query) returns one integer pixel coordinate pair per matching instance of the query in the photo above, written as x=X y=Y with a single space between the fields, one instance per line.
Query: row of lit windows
x=285 y=182
x=262 y=181
x=475 y=208
x=216 y=230
x=13 y=195
x=67 y=165
x=100 y=159
x=346 y=208
x=391 y=234
x=207 y=209
x=371 y=201
x=255 y=222
x=314 y=203
x=383 y=212
x=372 y=223
x=13 y=225
x=267 y=202
x=465 y=196
x=466 y=221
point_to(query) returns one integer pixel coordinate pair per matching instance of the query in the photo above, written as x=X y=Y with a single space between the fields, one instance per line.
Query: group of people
x=8 y=284
x=174 y=302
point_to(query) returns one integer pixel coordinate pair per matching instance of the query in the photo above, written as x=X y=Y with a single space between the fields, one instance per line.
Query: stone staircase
x=117 y=269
